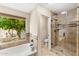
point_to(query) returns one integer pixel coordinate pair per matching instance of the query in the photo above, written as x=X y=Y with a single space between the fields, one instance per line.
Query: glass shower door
x=71 y=39
x=68 y=39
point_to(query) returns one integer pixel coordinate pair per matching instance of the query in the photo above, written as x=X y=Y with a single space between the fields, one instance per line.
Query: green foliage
x=12 y=24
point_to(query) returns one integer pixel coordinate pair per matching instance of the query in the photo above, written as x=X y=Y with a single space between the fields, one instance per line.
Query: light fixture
x=49 y=3
x=64 y=12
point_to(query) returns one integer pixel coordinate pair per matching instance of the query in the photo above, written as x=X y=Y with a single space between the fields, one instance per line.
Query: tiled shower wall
x=78 y=28
x=69 y=40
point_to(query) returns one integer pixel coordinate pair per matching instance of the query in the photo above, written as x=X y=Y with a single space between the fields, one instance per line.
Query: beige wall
x=27 y=24
x=44 y=27
x=10 y=11
x=34 y=19
x=34 y=22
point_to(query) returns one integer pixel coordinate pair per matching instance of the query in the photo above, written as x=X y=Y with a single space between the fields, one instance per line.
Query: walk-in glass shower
x=67 y=31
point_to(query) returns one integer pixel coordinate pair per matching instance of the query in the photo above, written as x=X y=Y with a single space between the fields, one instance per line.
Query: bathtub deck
x=21 y=50
x=12 y=43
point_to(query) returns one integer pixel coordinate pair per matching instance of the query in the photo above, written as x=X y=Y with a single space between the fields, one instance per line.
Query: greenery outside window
x=12 y=29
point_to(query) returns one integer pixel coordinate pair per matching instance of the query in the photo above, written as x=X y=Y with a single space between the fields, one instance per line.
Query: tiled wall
x=69 y=40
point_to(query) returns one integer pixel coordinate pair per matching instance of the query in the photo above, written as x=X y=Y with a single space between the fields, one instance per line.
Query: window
x=12 y=31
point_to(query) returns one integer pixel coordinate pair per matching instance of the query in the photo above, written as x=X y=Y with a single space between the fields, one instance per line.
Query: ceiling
x=24 y=7
x=60 y=7
x=28 y=7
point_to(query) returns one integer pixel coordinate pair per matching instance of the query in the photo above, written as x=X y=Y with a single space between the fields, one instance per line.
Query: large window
x=11 y=30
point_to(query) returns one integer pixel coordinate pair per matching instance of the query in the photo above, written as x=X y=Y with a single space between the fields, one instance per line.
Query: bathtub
x=20 y=50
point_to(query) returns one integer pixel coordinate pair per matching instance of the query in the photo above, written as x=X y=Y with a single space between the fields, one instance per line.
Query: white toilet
x=46 y=42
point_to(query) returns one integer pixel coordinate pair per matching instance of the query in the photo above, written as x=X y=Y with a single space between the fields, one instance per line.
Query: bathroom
x=47 y=31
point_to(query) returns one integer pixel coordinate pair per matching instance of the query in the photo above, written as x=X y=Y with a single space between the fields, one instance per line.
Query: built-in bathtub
x=20 y=50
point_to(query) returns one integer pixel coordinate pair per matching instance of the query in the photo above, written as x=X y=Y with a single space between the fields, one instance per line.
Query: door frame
x=49 y=31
